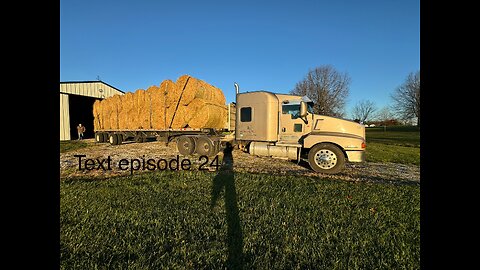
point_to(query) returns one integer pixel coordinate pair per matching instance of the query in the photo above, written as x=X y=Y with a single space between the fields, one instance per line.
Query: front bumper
x=356 y=156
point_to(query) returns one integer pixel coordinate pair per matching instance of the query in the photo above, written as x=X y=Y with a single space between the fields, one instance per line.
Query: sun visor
x=306 y=99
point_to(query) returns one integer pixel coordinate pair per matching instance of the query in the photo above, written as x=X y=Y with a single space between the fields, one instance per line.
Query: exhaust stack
x=236 y=88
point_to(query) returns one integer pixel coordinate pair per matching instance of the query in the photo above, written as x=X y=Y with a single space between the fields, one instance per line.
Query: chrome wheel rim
x=325 y=159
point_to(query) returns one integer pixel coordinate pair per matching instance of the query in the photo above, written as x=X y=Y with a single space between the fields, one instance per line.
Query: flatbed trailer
x=204 y=141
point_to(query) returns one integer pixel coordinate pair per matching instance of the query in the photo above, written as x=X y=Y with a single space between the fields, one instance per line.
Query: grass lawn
x=395 y=144
x=66 y=146
x=218 y=220
x=202 y=220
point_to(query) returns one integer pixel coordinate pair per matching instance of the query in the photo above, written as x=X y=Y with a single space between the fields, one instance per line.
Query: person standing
x=80 y=130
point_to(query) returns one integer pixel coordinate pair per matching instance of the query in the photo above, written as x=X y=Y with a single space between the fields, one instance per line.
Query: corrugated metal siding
x=64 y=118
x=90 y=89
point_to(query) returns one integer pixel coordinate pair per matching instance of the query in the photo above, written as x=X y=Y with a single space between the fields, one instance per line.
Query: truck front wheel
x=326 y=158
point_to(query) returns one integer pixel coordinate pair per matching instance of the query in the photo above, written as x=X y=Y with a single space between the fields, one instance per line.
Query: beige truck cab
x=284 y=126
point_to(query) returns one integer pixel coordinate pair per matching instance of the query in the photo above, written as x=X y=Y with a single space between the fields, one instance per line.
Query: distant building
x=76 y=105
x=410 y=122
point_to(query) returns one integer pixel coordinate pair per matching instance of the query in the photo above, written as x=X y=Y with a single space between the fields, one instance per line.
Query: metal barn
x=76 y=105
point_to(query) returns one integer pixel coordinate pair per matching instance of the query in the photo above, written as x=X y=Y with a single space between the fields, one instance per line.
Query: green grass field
x=397 y=144
x=67 y=146
x=218 y=220
x=206 y=220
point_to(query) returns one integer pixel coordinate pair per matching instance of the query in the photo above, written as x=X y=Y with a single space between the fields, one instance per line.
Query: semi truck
x=264 y=123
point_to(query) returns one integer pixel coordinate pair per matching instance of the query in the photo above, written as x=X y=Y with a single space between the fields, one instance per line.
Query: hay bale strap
x=178 y=101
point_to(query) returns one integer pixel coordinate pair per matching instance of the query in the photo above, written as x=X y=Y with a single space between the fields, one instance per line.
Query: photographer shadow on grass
x=225 y=179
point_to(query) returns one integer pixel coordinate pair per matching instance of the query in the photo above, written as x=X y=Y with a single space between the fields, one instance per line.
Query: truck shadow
x=225 y=179
x=303 y=164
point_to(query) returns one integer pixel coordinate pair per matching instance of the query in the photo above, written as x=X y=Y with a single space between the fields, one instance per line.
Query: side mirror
x=303 y=109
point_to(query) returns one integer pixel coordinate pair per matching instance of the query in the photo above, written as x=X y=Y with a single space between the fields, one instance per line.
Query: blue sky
x=262 y=45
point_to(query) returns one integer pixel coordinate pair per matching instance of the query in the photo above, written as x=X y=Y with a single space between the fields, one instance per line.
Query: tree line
x=329 y=89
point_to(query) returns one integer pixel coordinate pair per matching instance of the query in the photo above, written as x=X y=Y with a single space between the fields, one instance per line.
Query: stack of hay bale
x=186 y=103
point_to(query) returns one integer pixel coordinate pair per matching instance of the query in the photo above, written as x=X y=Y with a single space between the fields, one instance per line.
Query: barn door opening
x=81 y=111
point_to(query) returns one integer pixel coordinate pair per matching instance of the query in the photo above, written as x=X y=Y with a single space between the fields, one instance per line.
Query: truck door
x=292 y=126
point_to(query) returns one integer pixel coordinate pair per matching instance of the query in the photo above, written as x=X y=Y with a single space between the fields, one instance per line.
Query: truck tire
x=205 y=147
x=105 y=137
x=326 y=158
x=113 y=139
x=119 y=138
x=186 y=145
x=99 y=138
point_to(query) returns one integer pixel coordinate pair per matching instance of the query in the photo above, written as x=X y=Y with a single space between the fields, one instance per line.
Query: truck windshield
x=310 y=107
x=294 y=109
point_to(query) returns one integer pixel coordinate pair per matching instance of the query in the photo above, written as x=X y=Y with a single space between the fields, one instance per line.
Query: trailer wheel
x=113 y=139
x=119 y=138
x=99 y=138
x=186 y=145
x=204 y=147
x=105 y=137
x=326 y=158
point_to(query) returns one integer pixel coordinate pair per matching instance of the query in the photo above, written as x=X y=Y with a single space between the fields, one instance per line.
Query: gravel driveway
x=136 y=155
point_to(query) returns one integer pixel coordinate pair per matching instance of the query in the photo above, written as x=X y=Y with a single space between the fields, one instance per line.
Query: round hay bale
x=193 y=107
x=106 y=111
x=209 y=116
x=139 y=107
x=210 y=93
x=122 y=114
x=127 y=110
x=158 y=117
x=156 y=95
x=217 y=116
x=146 y=111
x=176 y=117
x=181 y=82
x=189 y=86
x=203 y=91
x=218 y=96
x=100 y=114
x=97 y=125
x=157 y=111
x=171 y=89
x=116 y=105
x=200 y=119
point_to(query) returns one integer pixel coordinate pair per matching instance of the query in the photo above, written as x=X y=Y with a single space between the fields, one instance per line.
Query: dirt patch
x=137 y=156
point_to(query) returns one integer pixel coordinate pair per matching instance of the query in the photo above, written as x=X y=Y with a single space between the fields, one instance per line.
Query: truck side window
x=297 y=128
x=246 y=114
x=292 y=109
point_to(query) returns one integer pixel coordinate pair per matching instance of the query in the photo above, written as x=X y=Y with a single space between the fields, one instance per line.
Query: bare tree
x=407 y=98
x=364 y=110
x=328 y=89
x=384 y=114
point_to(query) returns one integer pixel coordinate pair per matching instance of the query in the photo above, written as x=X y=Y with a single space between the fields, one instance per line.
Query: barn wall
x=85 y=88
x=90 y=89
x=64 y=118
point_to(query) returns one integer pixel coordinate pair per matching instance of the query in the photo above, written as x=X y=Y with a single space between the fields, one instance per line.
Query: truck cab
x=284 y=126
